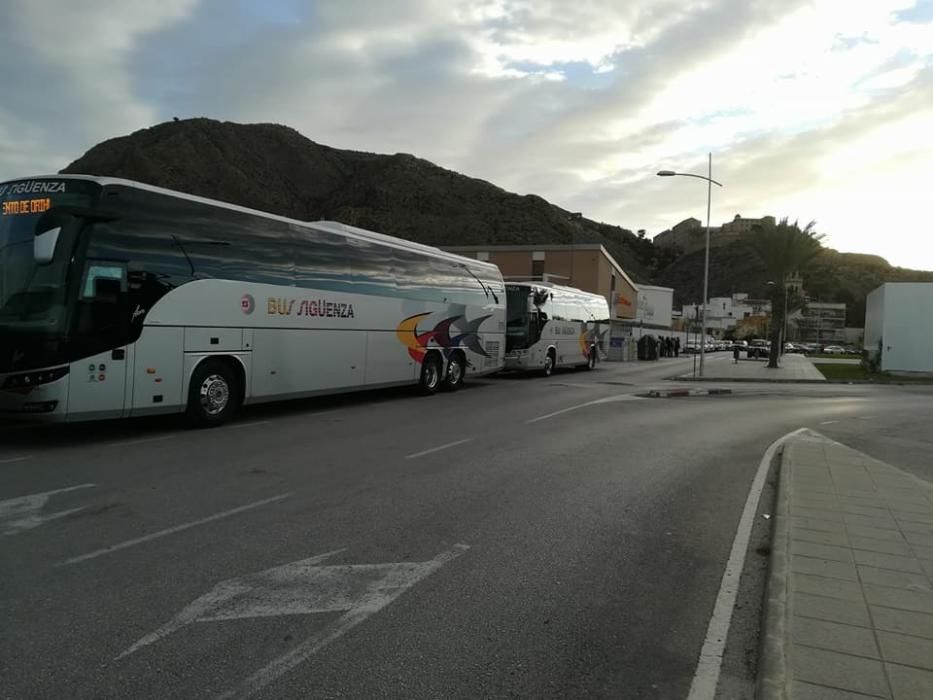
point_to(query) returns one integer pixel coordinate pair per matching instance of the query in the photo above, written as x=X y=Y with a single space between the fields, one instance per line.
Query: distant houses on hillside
x=690 y=234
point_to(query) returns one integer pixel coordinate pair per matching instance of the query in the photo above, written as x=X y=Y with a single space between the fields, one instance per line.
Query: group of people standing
x=669 y=347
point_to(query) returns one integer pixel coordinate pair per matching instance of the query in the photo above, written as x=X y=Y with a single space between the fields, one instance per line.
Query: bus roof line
x=327 y=226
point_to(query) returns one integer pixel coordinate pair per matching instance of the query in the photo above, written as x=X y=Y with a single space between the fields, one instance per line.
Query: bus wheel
x=214 y=394
x=549 y=363
x=430 y=374
x=455 y=371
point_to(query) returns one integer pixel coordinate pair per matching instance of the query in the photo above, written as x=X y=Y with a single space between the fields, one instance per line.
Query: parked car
x=742 y=344
x=759 y=348
x=834 y=350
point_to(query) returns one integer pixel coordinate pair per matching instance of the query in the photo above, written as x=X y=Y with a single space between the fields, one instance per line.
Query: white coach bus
x=122 y=299
x=550 y=326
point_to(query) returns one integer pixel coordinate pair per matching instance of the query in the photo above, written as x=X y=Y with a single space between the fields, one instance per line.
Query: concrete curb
x=677 y=393
x=751 y=380
x=772 y=662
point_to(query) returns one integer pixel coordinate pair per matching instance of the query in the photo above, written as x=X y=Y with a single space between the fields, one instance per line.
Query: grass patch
x=825 y=356
x=858 y=373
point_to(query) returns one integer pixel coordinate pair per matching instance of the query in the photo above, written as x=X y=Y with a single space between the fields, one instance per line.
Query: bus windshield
x=32 y=296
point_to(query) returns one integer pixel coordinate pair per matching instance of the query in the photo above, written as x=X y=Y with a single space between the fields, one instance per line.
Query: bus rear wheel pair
x=433 y=377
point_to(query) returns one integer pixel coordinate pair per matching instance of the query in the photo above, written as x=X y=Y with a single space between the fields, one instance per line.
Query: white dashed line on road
x=10 y=460
x=438 y=448
x=126 y=443
x=250 y=424
x=828 y=422
x=170 y=530
x=607 y=399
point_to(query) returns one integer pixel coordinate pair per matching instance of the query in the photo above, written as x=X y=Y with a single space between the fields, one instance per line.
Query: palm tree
x=784 y=248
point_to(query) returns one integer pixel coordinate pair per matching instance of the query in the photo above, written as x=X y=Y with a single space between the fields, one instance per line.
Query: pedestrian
x=735 y=353
x=676 y=347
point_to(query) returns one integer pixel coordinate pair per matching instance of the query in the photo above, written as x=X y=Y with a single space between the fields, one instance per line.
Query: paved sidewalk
x=850 y=596
x=793 y=368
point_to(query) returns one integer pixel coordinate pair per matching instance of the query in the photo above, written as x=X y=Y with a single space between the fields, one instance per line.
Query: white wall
x=908 y=327
x=874 y=318
x=655 y=305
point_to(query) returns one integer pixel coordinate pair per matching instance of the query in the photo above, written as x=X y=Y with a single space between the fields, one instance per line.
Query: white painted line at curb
x=14 y=459
x=706 y=676
x=437 y=449
x=170 y=530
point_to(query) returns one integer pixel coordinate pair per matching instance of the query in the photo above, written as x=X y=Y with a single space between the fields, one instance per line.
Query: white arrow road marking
x=19 y=514
x=301 y=588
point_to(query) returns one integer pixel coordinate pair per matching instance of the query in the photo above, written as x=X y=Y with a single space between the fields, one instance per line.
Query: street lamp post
x=709 y=198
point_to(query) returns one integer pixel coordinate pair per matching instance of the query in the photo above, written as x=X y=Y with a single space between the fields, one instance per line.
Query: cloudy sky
x=812 y=109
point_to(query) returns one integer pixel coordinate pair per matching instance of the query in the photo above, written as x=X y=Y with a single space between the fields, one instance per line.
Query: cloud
x=577 y=102
x=67 y=68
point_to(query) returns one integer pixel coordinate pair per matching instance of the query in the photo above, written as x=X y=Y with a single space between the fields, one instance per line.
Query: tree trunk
x=777 y=322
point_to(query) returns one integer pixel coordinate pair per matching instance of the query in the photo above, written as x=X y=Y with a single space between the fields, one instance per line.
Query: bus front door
x=97 y=388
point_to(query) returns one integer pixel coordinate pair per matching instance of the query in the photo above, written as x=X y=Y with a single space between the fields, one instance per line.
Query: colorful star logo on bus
x=418 y=343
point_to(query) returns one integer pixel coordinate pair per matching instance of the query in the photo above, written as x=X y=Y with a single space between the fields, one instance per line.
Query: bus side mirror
x=43 y=245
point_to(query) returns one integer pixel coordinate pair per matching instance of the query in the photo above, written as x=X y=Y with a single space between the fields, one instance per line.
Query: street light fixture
x=709 y=198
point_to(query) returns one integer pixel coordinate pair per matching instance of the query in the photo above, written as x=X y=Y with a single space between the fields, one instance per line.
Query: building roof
x=544 y=247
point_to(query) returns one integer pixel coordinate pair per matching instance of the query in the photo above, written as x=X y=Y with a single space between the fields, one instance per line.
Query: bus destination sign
x=12 y=207
x=32 y=205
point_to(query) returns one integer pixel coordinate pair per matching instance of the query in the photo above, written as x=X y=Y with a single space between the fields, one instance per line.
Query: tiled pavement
x=850 y=607
x=793 y=368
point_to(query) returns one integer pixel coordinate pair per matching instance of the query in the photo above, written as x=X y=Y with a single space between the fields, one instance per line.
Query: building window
x=482 y=255
x=537 y=269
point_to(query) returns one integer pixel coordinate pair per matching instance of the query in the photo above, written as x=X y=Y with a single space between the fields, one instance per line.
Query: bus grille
x=492 y=353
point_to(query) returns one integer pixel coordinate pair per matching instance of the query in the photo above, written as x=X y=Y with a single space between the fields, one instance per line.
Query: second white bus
x=550 y=326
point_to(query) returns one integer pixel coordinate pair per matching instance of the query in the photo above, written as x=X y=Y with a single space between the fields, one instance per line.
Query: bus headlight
x=27 y=380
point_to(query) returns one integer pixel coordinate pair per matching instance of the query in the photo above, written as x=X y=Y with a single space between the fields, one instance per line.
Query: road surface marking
x=706 y=676
x=608 y=399
x=20 y=514
x=170 y=531
x=438 y=448
x=10 y=460
x=250 y=424
x=828 y=422
x=125 y=443
x=302 y=587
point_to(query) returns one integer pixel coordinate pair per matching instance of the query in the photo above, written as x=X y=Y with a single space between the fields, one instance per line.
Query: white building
x=899 y=317
x=655 y=306
x=722 y=313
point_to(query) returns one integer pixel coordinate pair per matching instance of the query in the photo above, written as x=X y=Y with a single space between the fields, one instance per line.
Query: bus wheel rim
x=454 y=372
x=431 y=375
x=215 y=394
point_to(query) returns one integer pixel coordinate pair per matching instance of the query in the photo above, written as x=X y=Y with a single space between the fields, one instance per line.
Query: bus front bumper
x=28 y=396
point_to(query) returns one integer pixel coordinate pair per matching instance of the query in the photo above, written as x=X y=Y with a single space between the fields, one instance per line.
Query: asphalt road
x=525 y=537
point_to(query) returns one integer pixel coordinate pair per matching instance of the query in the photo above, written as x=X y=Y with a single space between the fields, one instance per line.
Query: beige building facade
x=586 y=266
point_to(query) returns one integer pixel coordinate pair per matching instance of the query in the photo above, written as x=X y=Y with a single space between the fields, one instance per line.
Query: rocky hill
x=274 y=168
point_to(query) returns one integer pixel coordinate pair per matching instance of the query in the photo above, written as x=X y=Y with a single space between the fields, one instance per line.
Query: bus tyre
x=548 y=364
x=456 y=367
x=214 y=394
x=430 y=374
